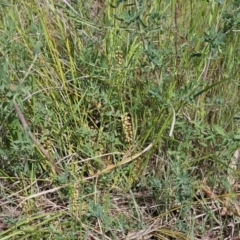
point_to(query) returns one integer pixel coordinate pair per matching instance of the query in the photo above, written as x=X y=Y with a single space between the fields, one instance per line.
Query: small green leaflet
x=37 y=48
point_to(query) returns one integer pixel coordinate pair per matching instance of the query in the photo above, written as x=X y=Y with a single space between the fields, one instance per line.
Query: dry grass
x=136 y=104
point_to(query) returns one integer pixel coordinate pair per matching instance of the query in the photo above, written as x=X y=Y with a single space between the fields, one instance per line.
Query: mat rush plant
x=119 y=119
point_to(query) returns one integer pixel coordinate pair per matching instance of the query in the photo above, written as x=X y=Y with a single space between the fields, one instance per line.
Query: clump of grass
x=137 y=105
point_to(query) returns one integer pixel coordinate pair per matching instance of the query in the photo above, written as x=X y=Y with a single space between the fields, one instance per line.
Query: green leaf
x=6 y=4
x=219 y=130
x=37 y=48
x=219 y=1
x=236 y=137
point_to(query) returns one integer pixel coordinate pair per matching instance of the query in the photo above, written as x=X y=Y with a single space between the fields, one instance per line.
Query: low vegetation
x=120 y=119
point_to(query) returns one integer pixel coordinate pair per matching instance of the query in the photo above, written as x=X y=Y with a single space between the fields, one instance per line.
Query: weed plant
x=119 y=119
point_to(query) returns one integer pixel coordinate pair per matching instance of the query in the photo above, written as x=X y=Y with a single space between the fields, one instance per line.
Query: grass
x=119 y=119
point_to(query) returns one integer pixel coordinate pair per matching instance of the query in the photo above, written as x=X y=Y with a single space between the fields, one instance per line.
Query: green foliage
x=75 y=68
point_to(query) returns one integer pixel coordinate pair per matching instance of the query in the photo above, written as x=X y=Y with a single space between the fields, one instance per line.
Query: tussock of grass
x=134 y=106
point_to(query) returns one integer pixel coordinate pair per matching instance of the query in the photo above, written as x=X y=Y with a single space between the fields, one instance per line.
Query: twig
x=21 y=117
